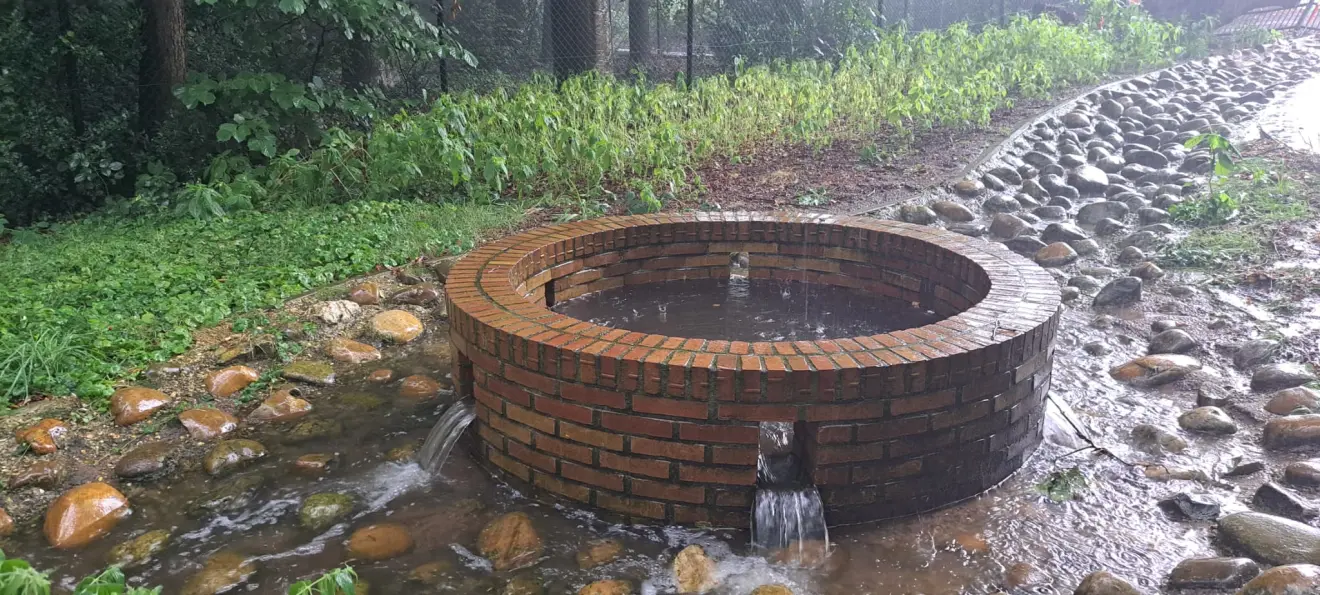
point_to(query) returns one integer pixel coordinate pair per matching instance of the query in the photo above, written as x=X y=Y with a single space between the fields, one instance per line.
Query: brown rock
x=1303 y=473
x=381 y=376
x=225 y=383
x=135 y=403
x=282 y=406
x=772 y=590
x=419 y=388
x=396 y=326
x=694 y=572
x=222 y=573
x=1289 y=400
x=46 y=475
x=1154 y=370
x=143 y=460
x=43 y=438
x=1294 y=579
x=315 y=464
x=350 y=351
x=1104 y=583
x=430 y=573
x=231 y=454
x=379 y=542
x=599 y=552
x=1292 y=431
x=365 y=294
x=417 y=296
x=510 y=542
x=610 y=587
x=84 y=514
x=972 y=543
x=6 y=524
x=1056 y=255
x=139 y=550
x=207 y=424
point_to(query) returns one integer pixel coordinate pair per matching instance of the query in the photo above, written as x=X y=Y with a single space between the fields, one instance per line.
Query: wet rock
x=974 y=230
x=1196 y=507
x=1085 y=247
x=523 y=586
x=1171 y=341
x=1294 y=431
x=1096 y=348
x=1131 y=254
x=607 y=587
x=1109 y=227
x=283 y=406
x=1289 y=400
x=47 y=475
x=1295 y=579
x=140 y=550
x=1141 y=239
x=365 y=294
x=1303 y=473
x=969 y=188
x=993 y=183
x=1255 y=352
x=232 y=454
x=144 y=460
x=351 y=352
x=694 y=572
x=380 y=376
x=1207 y=420
x=1209 y=395
x=1056 y=255
x=1274 y=377
x=43 y=437
x=314 y=429
x=1089 y=180
x=402 y=454
x=952 y=211
x=1245 y=469
x=232 y=495
x=222 y=573
x=1151 y=215
x=1007 y=174
x=84 y=514
x=1037 y=160
x=135 y=403
x=1050 y=212
x=431 y=573
x=1057 y=187
x=1069 y=294
x=1024 y=245
x=381 y=541
x=599 y=552
x=396 y=326
x=1124 y=290
x=1163 y=324
x=361 y=401
x=1003 y=204
x=417 y=296
x=1148 y=158
x=315 y=463
x=6 y=524
x=337 y=311
x=207 y=424
x=311 y=372
x=1084 y=282
x=1213 y=573
x=510 y=542
x=1105 y=209
x=229 y=381
x=1147 y=271
x=1153 y=439
x=419 y=388
x=1062 y=232
x=1076 y=120
x=1104 y=583
x=320 y=511
x=1155 y=370
x=918 y=214
x=1007 y=226
x=1274 y=498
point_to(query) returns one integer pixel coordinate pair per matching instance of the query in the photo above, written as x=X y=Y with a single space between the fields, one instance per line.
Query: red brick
x=858 y=411
x=721 y=475
x=635 y=465
x=531 y=457
x=566 y=489
x=670 y=407
x=668 y=491
x=892 y=428
x=759 y=412
x=592 y=395
x=632 y=424
x=733 y=455
x=509 y=466
x=630 y=506
x=832 y=434
x=561 y=410
x=731 y=434
x=848 y=453
x=521 y=377
x=528 y=418
x=510 y=429
x=590 y=436
x=920 y=403
x=668 y=450
x=489 y=399
x=562 y=449
x=600 y=479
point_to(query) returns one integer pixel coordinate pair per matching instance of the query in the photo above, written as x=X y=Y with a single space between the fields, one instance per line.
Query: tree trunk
x=363 y=69
x=573 y=35
x=164 y=62
x=639 y=34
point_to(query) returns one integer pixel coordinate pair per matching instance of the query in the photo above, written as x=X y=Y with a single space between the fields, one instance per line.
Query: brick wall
x=665 y=428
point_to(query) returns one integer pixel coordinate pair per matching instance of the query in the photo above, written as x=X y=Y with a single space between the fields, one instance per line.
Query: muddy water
x=1293 y=118
x=742 y=309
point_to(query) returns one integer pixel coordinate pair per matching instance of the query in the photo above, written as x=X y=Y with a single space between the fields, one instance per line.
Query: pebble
x=337 y=311
x=311 y=372
x=969 y=188
x=1007 y=226
x=349 y=351
x=228 y=455
x=1147 y=271
x=135 y=403
x=46 y=475
x=1153 y=439
x=229 y=381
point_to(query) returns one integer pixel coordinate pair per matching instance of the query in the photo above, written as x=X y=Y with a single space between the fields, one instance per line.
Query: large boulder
x=1272 y=539
x=396 y=326
x=84 y=514
x=510 y=542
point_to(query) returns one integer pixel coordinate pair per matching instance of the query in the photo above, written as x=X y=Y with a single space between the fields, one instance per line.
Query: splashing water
x=440 y=442
x=789 y=518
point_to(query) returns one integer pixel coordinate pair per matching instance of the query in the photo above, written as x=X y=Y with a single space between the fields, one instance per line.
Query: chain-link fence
x=514 y=39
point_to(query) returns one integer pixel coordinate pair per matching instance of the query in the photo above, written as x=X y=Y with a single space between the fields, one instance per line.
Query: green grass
x=84 y=304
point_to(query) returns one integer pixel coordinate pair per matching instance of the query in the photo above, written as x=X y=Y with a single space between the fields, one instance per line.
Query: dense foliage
x=19 y=578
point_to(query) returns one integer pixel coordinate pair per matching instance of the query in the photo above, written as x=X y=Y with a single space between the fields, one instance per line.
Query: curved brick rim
x=666 y=428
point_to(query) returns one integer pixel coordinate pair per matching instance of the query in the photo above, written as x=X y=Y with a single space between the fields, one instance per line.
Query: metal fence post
x=690 y=18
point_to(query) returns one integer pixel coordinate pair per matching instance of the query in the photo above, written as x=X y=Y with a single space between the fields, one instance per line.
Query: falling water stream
x=448 y=429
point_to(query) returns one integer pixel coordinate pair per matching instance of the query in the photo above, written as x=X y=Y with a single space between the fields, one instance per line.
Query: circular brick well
x=666 y=428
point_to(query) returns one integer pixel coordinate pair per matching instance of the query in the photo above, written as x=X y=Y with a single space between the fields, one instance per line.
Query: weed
x=1064 y=485
x=340 y=581
x=815 y=197
x=19 y=578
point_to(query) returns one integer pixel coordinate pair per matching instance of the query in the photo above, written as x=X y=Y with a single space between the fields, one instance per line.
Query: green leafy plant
x=340 y=581
x=19 y=578
x=815 y=197
x=110 y=581
x=1062 y=486
x=1217 y=206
